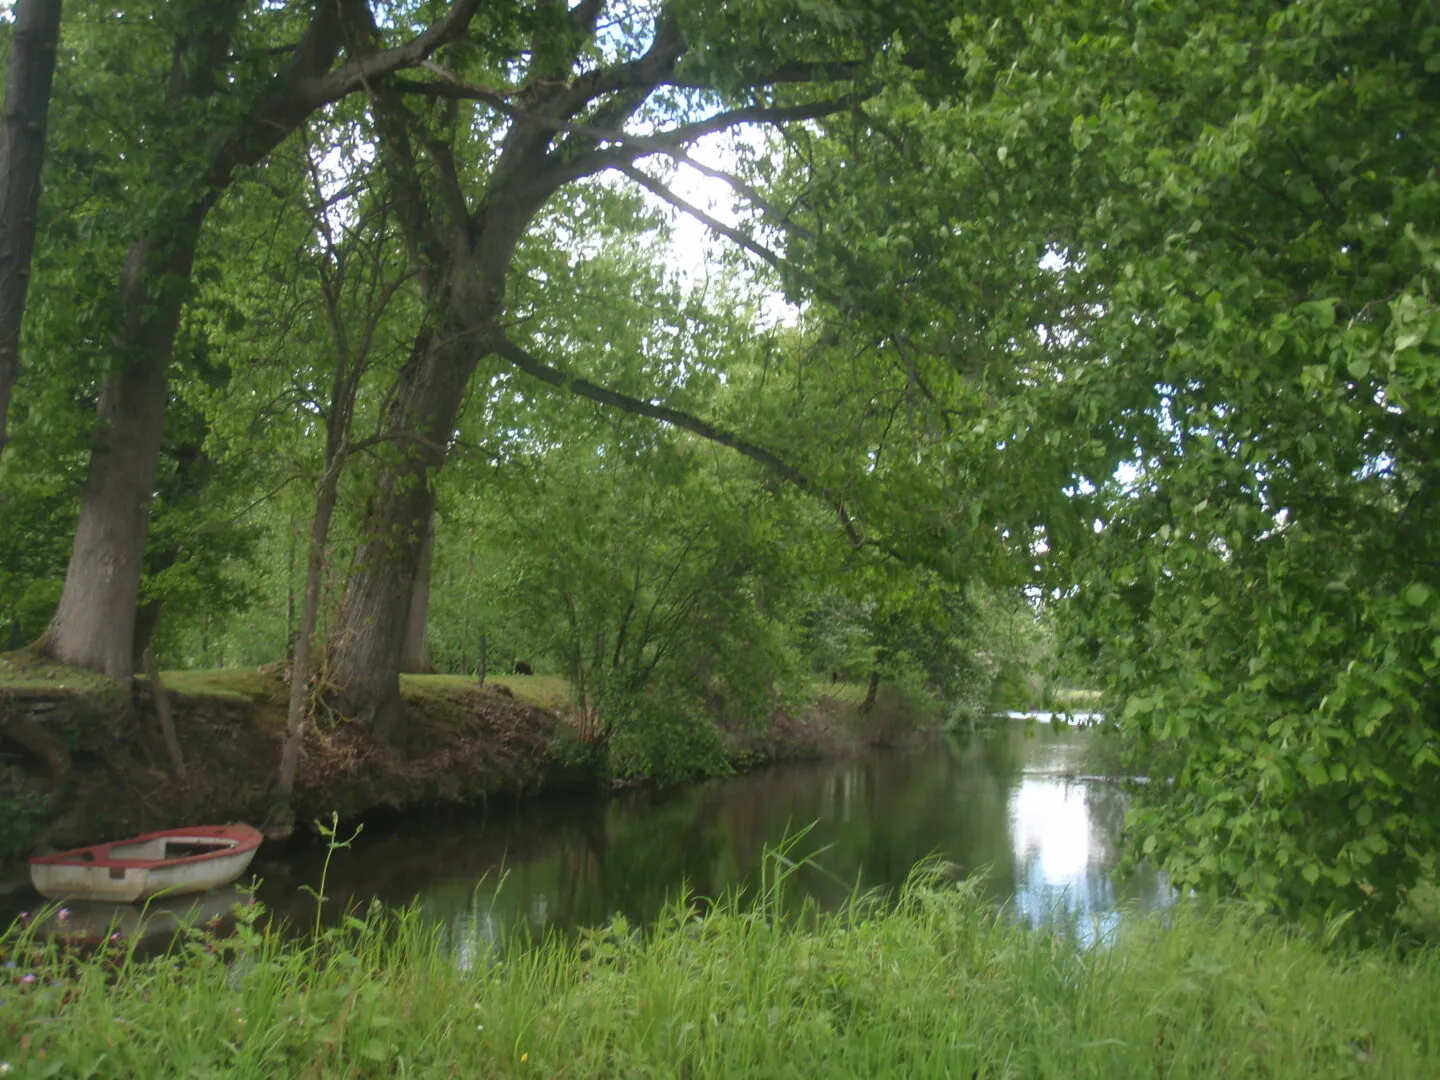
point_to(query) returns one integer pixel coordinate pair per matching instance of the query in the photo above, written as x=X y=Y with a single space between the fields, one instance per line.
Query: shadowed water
x=1002 y=804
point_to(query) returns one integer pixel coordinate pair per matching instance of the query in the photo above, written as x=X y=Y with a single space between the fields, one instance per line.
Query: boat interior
x=171 y=847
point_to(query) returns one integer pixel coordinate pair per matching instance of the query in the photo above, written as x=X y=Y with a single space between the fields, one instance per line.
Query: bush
x=665 y=736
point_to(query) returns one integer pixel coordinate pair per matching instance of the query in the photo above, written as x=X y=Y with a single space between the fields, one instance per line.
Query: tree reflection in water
x=1002 y=803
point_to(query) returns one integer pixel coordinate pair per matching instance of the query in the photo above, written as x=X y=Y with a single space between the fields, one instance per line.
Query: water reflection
x=1001 y=805
x=149 y=927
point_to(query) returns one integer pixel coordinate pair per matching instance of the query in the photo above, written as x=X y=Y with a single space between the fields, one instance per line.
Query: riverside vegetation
x=935 y=983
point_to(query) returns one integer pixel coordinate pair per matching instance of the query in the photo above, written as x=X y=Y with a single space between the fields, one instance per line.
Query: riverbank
x=942 y=984
x=86 y=760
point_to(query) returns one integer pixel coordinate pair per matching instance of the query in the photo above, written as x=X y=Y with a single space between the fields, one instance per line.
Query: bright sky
x=695 y=251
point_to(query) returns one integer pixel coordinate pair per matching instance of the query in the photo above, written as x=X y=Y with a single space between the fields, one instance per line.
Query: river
x=1003 y=805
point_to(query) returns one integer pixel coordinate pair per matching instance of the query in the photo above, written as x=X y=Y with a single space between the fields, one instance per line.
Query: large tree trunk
x=94 y=626
x=366 y=637
x=22 y=152
x=415 y=649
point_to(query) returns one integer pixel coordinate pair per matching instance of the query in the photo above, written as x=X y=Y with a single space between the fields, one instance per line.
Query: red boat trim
x=239 y=839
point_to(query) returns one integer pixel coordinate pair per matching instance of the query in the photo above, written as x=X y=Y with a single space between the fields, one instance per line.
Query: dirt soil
x=459 y=745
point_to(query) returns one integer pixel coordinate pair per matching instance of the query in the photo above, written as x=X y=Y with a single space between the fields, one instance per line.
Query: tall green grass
x=935 y=984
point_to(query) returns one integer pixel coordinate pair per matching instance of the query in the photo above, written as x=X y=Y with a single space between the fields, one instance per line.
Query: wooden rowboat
x=172 y=862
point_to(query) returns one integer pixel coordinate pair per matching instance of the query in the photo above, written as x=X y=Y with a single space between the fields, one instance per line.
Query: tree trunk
x=870 y=692
x=464 y=285
x=94 y=626
x=300 y=668
x=369 y=629
x=22 y=152
x=415 y=649
x=290 y=590
x=162 y=713
x=147 y=620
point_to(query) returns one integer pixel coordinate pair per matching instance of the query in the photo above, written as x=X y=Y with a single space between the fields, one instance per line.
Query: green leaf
x=1321 y=312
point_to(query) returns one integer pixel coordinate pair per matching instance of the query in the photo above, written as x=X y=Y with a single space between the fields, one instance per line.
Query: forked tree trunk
x=415 y=649
x=22 y=152
x=369 y=630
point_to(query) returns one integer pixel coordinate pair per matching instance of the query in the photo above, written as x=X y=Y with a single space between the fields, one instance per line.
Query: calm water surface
x=1002 y=804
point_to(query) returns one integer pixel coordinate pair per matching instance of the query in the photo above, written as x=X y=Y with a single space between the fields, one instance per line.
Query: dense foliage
x=1265 y=589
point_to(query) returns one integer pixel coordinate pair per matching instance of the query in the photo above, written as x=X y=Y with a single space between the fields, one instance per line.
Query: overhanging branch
x=566 y=166
x=536 y=368
x=655 y=187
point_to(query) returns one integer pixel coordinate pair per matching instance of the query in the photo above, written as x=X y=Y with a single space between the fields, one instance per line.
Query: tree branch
x=648 y=71
x=518 y=358
x=565 y=168
x=792 y=71
x=306 y=82
x=362 y=70
x=658 y=189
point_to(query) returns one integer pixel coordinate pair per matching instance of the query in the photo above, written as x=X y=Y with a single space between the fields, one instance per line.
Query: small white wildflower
x=4 y=1067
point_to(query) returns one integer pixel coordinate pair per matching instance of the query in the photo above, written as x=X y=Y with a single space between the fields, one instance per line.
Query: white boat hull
x=169 y=864
x=136 y=883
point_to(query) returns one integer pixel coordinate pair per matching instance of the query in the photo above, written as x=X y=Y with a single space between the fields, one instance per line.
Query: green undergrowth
x=852 y=693
x=545 y=691
x=228 y=684
x=25 y=669
x=937 y=984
